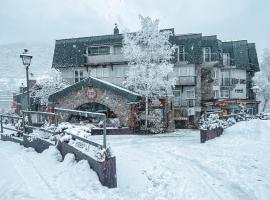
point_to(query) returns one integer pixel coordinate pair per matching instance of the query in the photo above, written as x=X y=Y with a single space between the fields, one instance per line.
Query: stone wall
x=116 y=103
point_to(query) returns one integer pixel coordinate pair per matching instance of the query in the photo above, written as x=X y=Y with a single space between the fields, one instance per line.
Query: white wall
x=239 y=74
x=115 y=74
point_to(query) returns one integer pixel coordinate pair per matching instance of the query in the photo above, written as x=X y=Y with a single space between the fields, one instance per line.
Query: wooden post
x=51 y=119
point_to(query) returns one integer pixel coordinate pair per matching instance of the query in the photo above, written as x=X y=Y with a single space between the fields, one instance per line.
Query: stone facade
x=116 y=103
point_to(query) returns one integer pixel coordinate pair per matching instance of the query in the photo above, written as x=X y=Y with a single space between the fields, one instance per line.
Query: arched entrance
x=92 y=107
x=90 y=93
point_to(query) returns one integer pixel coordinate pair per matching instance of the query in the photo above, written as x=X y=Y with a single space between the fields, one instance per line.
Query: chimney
x=115 y=30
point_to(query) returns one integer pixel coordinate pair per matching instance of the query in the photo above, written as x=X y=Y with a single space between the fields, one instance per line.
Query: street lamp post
x=26 y=59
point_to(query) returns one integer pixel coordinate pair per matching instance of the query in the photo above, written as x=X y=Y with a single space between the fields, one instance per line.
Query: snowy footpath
x=172 y=166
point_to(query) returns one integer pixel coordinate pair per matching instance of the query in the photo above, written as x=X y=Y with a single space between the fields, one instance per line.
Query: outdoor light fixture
x=26 y=59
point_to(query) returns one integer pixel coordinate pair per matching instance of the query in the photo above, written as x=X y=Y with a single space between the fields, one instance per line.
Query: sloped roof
x=91 y=81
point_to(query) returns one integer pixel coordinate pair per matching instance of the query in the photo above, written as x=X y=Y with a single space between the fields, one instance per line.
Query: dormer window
x=180 y=53
x=207 y=54
x=226 y=59
x=98 y=50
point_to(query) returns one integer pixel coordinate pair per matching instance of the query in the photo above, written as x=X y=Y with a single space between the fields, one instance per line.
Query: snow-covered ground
x=172 y=166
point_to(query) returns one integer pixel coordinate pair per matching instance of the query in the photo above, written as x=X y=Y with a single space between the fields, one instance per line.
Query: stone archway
x=92 y=107
x=93 y=90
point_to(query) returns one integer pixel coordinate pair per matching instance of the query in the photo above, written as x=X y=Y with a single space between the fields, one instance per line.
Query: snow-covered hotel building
x=212 y=75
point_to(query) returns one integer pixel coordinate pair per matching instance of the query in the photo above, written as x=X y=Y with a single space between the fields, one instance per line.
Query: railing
x=185 y=80
x=178 y=102
x=51 y=117
x=86 y=114
x=108 y=58
x=12 y=120
x=54 y=117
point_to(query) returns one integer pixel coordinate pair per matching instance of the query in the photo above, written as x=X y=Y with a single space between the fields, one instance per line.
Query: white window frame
x=209 y=54
x=183 y=56
x=98 y=53
x=188 y=91
x=105 y=72
x=222 y=92
x=215 y=74
x=226 y=59
x=216 y=94
x=116 y=47
x=177 y=53
x=177 y=99
x=121 y=71
x=80 y=75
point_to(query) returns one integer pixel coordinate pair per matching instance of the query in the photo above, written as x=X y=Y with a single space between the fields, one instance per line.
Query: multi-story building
x=207 y=70
x=227 y=79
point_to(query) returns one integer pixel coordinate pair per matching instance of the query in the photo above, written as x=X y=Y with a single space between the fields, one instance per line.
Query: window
x=98 y=50
x=216 y=94
x=215 y=74
x=117 y=50
x=181 y=56
x=184 y=71
x=242 y=81
x=191 y=102
x=100 y=72
x=177 y=97
x=226 y=81
x=224 y=93
x=226 y=59
x=78 y=75
x=106 y=71
x=235 y=81
x=121 y=71
x=93 y=72
x=190 y=94
x=207 y=54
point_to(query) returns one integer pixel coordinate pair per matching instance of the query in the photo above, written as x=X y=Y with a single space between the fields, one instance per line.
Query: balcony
x=178 y=102
x=105 y=59
x=185 y=80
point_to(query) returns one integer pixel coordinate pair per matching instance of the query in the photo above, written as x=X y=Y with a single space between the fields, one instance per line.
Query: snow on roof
x=115 y=86
x=130 y=95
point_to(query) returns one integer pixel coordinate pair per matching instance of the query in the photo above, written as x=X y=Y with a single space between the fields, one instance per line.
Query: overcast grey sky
x=47 y=20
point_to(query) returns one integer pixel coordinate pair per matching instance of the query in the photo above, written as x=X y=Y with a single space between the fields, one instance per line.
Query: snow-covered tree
x=48 y=84
x=149 y=53
x=262 y=79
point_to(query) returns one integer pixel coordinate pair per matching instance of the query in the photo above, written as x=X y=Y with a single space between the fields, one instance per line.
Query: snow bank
x=166 y=166
x=81 y=130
